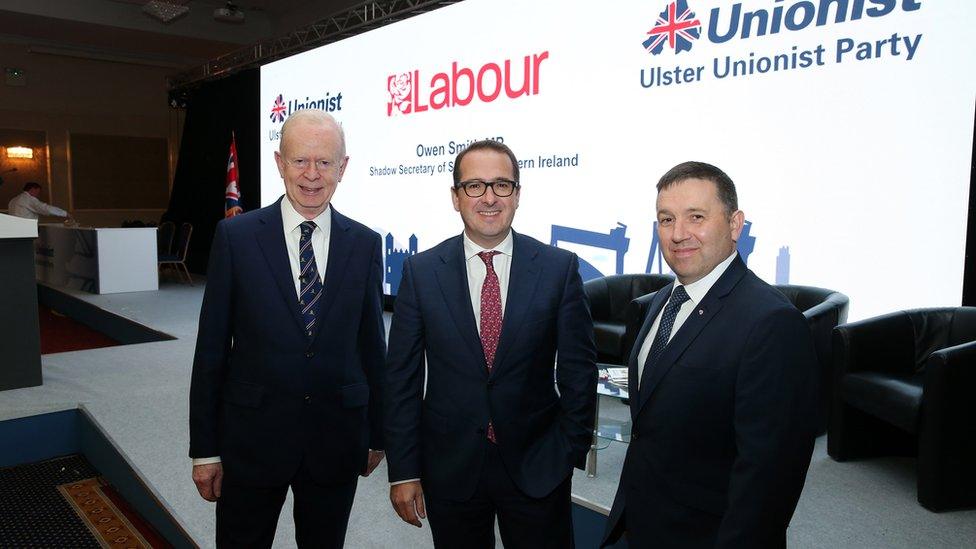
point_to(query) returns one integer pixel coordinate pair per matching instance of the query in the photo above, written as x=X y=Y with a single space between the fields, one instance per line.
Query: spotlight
x=166 y=10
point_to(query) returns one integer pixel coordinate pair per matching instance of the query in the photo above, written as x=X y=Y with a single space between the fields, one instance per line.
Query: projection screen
x=847 y=127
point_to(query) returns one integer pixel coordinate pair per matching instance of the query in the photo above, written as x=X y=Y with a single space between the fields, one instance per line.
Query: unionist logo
x=278 y=110
x=676 y=26
x=679 y=28
x=411 y=92
x=328 y=102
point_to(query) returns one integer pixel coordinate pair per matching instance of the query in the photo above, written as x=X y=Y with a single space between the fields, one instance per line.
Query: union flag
x=232 y=194
x=677 y=26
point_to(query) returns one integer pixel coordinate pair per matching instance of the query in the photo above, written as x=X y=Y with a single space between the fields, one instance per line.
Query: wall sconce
x=20 y=152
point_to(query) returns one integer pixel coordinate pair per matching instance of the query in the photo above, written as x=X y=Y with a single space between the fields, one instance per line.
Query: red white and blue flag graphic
x=232 y=194
x=676 y=26
x=278 y=111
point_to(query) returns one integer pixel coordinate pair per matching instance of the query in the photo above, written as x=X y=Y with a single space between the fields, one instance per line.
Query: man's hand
x=208 y=479
x=375 y=457
x=408 y=501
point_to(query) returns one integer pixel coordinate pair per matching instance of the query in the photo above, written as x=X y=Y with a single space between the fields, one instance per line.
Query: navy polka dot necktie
x=678 y=297
x=308 y=280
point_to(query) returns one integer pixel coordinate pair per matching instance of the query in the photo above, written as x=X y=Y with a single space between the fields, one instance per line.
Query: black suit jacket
x=541 y=434
x=724 y=424
x=263 y=395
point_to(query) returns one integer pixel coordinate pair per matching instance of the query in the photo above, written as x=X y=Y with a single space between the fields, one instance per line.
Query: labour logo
x=278 y=111
x=401 y=100
x=676 y=26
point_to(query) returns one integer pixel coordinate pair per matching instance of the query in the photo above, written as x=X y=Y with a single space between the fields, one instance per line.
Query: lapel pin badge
x=701 y=312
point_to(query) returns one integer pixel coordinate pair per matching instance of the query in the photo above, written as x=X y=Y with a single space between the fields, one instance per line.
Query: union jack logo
x=677 y=26
x=278 y=111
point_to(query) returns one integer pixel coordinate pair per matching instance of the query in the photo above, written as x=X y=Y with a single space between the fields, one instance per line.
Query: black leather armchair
x=610 y=303
x=905 y=383
x=824 y=310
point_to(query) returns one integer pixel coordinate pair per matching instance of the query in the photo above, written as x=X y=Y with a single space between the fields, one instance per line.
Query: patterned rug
x=63 y=502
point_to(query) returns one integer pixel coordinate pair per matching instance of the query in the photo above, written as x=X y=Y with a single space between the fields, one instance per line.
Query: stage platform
x=138 y=395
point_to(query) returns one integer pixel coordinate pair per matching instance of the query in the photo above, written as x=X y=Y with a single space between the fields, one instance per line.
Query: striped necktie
x=308 y=280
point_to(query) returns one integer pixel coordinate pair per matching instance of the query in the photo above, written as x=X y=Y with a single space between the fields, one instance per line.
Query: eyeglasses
x=302 y=164
x=476 y=188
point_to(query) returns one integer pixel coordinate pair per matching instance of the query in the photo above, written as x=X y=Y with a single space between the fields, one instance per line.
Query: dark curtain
x=214 y=110
x=969 y=271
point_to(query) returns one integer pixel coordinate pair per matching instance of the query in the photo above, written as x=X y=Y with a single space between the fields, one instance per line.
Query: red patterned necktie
x=491 y=317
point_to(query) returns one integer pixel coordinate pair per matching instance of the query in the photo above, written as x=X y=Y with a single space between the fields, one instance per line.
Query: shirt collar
x=471 y=249
x=292 y=219
x=697 y=289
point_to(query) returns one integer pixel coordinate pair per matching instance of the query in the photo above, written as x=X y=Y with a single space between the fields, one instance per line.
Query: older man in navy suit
x=723 y=387
x=481 y=431
x=288 y=372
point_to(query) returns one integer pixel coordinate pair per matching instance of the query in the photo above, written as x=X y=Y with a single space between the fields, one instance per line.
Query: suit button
x=308 y=399
x=491 y=382
x=309 y=354
x=633 y=437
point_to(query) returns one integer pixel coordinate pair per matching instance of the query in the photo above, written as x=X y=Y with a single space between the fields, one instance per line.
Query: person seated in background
x=28 y=206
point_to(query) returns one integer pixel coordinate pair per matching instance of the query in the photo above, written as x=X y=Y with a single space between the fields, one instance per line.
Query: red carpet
x=60 y=334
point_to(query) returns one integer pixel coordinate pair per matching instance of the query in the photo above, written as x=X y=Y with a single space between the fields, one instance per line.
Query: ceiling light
x=166 y=11
x=229 y=14
x=20 y=152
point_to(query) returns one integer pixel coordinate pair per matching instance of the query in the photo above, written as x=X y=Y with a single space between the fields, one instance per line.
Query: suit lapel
x=340 y=248
x=522 y=282
x=700 y=317
x=632 y=366
x=452 y=276
x=271 y=239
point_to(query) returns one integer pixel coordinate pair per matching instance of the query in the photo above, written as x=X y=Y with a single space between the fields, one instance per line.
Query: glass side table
x=607 y=429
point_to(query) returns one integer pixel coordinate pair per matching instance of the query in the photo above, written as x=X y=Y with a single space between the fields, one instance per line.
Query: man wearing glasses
x=287 y=377
x=480 y=430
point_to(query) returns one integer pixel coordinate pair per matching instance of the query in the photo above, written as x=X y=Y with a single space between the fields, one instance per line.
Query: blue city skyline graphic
x=615 y=240
x=394 y=258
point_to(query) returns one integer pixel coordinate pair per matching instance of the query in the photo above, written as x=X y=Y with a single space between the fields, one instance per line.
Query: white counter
x=100 y=261
x=16 y=227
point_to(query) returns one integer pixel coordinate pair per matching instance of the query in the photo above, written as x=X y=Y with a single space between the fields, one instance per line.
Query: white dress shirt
x=29 y=206
x=477 y=271
x=291 y=222
x=696 y=292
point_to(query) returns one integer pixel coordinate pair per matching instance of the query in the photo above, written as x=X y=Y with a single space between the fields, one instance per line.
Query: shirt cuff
x=405 y=481
x=206 y=461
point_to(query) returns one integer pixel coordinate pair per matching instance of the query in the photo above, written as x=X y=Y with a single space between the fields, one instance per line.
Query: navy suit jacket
x=723 y=425
x=440 y=437
x=264 y=395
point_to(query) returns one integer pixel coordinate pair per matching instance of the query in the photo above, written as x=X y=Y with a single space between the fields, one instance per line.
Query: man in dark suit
x=481 y=431
x=723 y=387
x=288 y=372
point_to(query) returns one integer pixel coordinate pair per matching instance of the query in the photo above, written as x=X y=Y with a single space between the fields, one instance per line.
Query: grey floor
x=138 y=394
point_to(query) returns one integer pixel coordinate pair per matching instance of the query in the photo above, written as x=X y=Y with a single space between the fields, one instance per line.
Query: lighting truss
x=356 y=20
